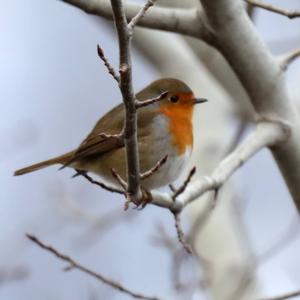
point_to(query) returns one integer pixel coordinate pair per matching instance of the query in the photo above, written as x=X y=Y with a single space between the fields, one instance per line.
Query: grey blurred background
x=53 y=88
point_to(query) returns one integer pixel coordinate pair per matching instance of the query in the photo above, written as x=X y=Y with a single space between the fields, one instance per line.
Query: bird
x=164 y=129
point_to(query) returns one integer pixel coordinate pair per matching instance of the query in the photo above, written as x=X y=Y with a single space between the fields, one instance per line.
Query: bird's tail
x=56 y=160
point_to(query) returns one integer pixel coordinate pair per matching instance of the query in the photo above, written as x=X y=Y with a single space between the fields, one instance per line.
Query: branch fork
x=146 y=196
x=176 y=213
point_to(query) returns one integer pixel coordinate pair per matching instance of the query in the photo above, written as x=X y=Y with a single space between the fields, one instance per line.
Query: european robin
x=164 y=128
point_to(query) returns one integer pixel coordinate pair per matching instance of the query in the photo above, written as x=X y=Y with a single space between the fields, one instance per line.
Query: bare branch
x=119 y=179
x=147 y=102
x=130 y=126
x=288 y=58
x=109 y=67
x=172 y=188
x=180 y=233
x=140 y=14
x=72 y=264
x=185 y=184
x=185 y=21
x=285 y=296
x=269 y=7
x=101 y=184
x=155 y=168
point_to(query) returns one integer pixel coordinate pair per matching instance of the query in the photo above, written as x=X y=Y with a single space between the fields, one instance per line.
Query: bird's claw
x=145 y=199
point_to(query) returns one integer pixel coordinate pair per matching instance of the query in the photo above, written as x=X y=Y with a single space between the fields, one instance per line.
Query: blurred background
x=53 y=88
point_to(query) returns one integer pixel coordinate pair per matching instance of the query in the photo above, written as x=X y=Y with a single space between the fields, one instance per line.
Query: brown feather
x=94 y=146
x=56 y=160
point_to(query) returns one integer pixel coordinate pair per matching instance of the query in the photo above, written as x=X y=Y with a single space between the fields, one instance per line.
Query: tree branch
x=109 y=67
x=101 y=184
x=72 y=264
x=269 y=7
x=180 y=233
x=181 y=189
x=185 y=21
x=130 y=126
x=261 y=77
x=287 y=59
x=136 y=19
x=147 y=102
x=155 y=168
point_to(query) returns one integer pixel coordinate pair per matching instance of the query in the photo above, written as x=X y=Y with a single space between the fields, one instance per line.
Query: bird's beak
x=199 y=100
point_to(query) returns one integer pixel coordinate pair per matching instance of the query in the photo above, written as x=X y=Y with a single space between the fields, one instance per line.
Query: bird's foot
x=143 y=201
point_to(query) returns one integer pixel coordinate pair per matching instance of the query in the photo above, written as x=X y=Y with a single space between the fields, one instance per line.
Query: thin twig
x=180 y=233
x=101 y=184
x=285 y=296
x=269 y=7
x=172 y=188
x=110 y=136
x=287 y=59
x=139 y=104
x=109 y=67
x=119 y=179
x=140 y=14
x=185 y=184
x=154 y=169
x=72 y=264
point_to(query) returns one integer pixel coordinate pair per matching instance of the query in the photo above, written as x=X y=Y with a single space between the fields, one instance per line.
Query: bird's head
x=178 y=100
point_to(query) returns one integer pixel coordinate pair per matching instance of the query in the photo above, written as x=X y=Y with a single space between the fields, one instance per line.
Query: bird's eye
x=174 y=98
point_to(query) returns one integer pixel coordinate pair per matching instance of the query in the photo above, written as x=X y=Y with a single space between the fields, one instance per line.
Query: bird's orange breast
x=180 y=123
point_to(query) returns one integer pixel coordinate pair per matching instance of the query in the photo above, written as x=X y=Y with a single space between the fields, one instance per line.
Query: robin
x=164 y=128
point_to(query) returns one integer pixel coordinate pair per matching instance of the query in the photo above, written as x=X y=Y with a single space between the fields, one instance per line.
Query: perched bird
x=164 y=128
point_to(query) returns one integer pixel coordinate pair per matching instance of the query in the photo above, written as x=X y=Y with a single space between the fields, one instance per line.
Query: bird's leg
x=145 y=199
x=146 y=196
x=93 y=181
x=142 y=202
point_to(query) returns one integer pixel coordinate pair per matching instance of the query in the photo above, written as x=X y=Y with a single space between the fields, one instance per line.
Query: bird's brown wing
x=94 y=144
x=111 y=123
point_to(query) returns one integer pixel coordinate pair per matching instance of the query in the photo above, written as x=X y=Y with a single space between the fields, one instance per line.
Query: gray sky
x=53 y=88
